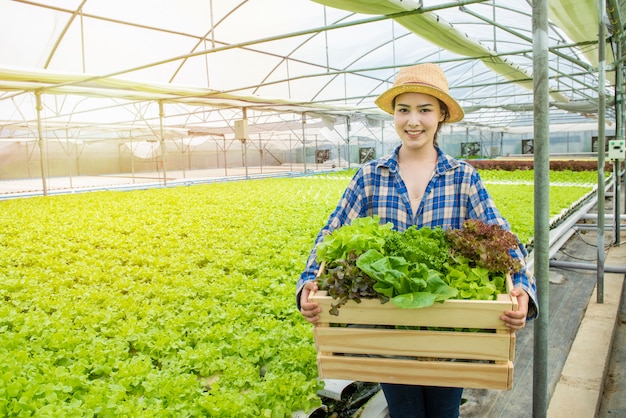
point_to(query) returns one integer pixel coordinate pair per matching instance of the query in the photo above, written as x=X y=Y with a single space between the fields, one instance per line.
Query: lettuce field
x=177 y=302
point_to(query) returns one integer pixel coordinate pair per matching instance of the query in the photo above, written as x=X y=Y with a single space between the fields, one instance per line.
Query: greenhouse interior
x=153 y=91
x=101 y=96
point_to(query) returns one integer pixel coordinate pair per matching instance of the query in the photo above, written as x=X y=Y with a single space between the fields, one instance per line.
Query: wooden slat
x=378 y=354
x=414 y=343
x=450 y=314
x=507 y=296
x=431 y=373
x=512 y=346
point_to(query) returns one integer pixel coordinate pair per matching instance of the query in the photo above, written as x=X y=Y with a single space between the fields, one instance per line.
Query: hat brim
x=385 y=100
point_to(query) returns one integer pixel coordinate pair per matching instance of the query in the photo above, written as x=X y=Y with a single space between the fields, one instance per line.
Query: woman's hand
x=517 y=319
x=310 y=310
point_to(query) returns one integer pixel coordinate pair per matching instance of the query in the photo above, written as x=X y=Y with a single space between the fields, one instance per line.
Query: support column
x=162 y=134
x=542 y=204
x=619 y=134
x=348 y=153
x=244 y=142
x=42 y=163
x=304 y=141
x=601 y=146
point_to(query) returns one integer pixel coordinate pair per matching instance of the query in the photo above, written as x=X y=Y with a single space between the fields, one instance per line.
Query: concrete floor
x=613 y=402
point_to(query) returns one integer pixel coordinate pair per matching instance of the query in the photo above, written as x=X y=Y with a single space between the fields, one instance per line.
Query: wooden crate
x=350 y=347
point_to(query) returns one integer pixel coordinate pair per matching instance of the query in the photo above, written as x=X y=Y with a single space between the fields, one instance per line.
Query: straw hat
x=421 y=78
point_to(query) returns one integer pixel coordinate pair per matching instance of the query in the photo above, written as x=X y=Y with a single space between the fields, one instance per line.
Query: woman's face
x=417 y=117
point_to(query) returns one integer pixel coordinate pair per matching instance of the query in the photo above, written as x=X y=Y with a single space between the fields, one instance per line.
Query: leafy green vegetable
x=360 y=235
x=436 y=291
x=345 y=281
x=145 y=307
x=485 y=245
x=474 y=282
x=417 y=267
x=390 y=273
x=408 y=288
x=425 y=245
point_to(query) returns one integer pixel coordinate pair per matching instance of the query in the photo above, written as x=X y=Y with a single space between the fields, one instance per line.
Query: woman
x=419 y=185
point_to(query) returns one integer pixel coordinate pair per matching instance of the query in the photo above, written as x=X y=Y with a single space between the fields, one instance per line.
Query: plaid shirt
x=455 y=193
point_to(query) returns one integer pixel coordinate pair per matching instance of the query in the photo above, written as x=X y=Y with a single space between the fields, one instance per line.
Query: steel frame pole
x=601 y=146
x=541 y=91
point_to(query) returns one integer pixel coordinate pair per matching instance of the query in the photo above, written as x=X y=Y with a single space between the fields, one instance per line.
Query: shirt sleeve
x=526 y=281
x=351 y=206
x=482 y=207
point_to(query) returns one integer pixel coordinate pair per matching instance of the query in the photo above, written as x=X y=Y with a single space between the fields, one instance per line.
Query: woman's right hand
x=310 y=310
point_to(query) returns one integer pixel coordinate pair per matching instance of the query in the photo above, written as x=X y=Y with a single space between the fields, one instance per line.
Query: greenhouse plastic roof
x=193 y=67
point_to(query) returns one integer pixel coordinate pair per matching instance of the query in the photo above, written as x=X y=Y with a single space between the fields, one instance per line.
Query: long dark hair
x=446 y=116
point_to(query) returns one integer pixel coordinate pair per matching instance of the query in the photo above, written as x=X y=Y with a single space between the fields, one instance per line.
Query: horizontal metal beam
x=607 y=216
x=587 y=266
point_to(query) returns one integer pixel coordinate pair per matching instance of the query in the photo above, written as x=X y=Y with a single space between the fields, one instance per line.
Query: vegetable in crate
x=339 y=251
x=484 y=245
x=480 y=259
x=345 y=281
x=377 y=262
x=417 y=267
x=425 y=245
x=408 y=285
x=360 y=235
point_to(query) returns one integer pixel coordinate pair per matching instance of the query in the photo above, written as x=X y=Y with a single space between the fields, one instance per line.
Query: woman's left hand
x=517 y=319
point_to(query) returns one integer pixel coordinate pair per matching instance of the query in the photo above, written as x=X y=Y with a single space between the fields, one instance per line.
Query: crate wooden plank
x=364 y=343
x=430 y=373
x=512 y=346
x=449 y=314
x=415 y=343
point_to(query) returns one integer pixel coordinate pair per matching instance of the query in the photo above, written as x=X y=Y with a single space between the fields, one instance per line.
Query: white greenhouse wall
x=22 y=159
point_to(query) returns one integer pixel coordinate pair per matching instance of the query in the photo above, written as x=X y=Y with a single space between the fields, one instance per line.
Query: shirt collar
x=444 y=161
